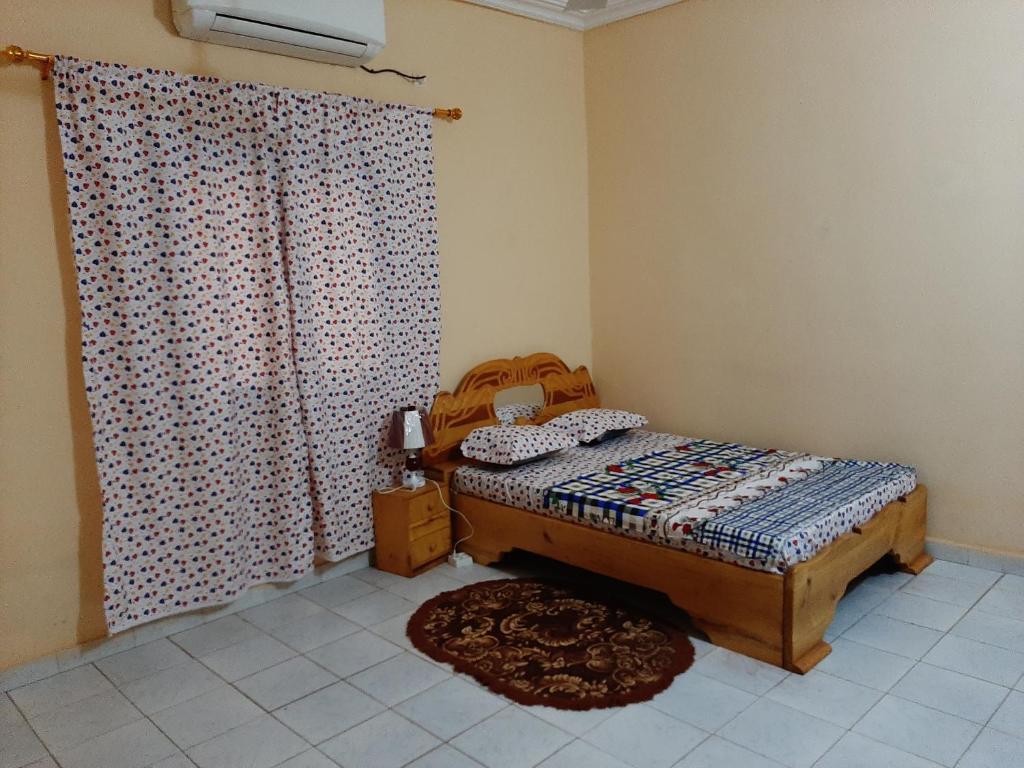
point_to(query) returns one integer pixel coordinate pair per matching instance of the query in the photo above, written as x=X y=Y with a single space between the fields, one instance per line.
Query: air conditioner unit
x=347 y=32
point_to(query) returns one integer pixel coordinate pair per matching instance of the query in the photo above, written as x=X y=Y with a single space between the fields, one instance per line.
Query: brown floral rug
x=555 y=645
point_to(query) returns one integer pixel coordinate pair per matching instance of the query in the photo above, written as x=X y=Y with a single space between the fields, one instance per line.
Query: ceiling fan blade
x=586 y=5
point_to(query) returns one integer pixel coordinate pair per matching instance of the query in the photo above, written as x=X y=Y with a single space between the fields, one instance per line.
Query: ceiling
x=553 y=11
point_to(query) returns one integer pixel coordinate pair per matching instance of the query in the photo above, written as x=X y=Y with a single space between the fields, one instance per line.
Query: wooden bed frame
x=777 y=618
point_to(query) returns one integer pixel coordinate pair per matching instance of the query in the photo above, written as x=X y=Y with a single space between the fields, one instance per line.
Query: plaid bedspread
x=790 y=524
x=766 y=509
x=697 y=480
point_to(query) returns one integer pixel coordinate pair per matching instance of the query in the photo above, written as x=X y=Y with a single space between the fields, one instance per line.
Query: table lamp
x=410 y=432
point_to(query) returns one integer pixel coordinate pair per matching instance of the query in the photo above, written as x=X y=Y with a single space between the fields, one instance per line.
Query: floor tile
x=178 y=760
x=856 y=751
x=865 y=665
x=579 y=754
x=309 y=759
x=424 y=587
x=142 y=661
x=73 y=724
x=314 y=631
x=398 y=678
x=988 y=662
x=1011 y=582
x=719 y=753
x=247 y=657
x=285 y=682
x=471 y=574
x=286 y=609
x=968 y=573
x=394 y=630
x=1003 y=602
x=19 y=744
x=739 y=671
x=951 y=692
x=920 y=730
x=822 y=695
x=1010 y=716
x=376 y=578
x=335 y=592
x=260 y=743
x=328 y=712
x=215 y=635
x=444 y=757
x=571 y=721
x=923 y=611
x=28 y=673
x=451 y=707
x=86 y=653
x=49 y=762
x=60 y=690
x=645 y=738
x=994 y=749
x=511 y=739
x=211 y=714
x=374 y=608
x=702 y=701
x=171 y=686
x=991 y=629
x=785 y=735
x=891 y=581
x=700 y=647
x=385 y=741
x=134 y=745
x=354 y=653
x=893 y=635
x=856 y=604
x=944 y=589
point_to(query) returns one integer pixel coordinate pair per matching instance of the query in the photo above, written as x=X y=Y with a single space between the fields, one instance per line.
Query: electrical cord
x=388 y=70
x=455 y=546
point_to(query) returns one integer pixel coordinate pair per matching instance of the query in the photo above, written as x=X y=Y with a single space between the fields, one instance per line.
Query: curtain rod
x=18 y=55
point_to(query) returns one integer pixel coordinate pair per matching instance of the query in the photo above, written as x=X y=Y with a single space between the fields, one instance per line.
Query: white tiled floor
x=925 y=672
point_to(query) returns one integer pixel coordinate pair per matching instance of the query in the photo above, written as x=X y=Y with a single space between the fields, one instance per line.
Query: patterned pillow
x=514 y=444
x=507 y=414
x=592 y=425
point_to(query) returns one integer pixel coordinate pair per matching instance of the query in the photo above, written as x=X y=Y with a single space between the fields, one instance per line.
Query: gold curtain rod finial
x=18 y=55
x=449 y=114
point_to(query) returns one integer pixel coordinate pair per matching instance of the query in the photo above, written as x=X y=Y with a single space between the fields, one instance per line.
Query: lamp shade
x=410 y=429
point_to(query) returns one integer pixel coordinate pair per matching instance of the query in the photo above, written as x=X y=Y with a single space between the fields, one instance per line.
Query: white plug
x=459 y=560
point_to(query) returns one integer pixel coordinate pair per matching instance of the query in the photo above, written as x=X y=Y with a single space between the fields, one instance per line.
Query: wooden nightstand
x=413 y=529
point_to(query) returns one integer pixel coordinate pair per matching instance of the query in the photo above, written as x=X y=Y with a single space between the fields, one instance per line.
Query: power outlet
x=459 y=560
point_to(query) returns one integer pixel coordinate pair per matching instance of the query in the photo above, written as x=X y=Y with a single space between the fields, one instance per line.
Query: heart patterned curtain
x=257 y=270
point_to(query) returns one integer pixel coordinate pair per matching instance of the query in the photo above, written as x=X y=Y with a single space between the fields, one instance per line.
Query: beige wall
x=807 y=230
x=513 y=229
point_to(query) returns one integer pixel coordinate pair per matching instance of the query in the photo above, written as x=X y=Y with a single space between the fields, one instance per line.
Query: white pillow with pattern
x=592 y=425
x=507 y=414
x=514 y=444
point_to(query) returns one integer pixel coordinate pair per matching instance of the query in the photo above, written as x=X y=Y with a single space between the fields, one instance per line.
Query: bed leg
x=908 y=541
x=482 y=556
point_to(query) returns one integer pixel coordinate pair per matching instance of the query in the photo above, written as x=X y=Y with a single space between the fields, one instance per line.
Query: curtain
x=257 y=269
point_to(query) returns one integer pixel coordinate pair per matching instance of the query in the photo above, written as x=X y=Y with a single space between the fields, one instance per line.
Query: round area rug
x=553 y=645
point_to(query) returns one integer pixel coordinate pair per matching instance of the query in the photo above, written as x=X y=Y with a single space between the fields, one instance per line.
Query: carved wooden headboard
x=455 y=414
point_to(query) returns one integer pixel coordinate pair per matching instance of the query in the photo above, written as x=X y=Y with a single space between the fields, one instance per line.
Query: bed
x=762 y=576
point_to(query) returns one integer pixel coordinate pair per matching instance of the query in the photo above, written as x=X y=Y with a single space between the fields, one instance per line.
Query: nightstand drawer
x=425 y=509
x=429 y=525
x=429 y=547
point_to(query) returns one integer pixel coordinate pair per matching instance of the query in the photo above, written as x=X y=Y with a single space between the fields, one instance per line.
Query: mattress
x=763 y=509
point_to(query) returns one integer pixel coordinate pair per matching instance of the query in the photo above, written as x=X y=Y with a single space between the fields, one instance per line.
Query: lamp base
x=413 y=478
